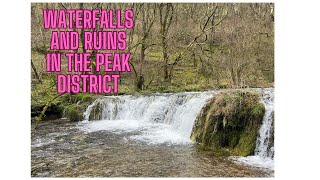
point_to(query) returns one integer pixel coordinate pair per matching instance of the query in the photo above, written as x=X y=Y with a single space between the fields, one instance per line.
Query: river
x=144 y=136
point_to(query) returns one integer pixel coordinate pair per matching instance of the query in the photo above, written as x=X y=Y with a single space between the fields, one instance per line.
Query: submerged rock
x=229 y=123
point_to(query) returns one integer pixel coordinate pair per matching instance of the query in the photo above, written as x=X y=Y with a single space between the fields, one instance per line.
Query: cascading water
x=159 y=118
x=169 y=119
x=262 y=146
x=147 y=136
x=263 y=155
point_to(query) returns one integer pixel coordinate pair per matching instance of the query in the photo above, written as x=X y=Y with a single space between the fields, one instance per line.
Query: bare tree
x=166 y=16
x=148 y=14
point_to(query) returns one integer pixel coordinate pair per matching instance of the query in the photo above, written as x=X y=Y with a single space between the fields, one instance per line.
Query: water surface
x=63 y=149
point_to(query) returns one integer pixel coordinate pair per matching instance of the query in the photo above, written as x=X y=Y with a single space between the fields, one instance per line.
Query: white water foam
x=256 y=161
x=169 y=118
x=157 y=119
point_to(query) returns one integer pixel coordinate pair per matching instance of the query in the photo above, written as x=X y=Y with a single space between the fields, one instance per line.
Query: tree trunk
x=81 y=6
x=165 y=22
x=166 y=60
x=142 y=57
x=35 y=72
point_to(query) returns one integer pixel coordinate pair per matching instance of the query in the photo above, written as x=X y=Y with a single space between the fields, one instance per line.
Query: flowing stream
x=160 y=118
x=145 y=136
x=264 y=153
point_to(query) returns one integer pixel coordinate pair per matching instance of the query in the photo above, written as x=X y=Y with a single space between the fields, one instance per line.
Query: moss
x=85 y=97
x=74 y=113
x=229 y=123
x=96 y=112
x=75 y=104
x=247 y=142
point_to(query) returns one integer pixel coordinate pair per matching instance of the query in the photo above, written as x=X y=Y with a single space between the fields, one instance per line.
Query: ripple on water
x=104 y=153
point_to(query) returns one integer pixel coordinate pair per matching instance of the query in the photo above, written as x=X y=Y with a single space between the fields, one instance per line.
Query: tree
x=148 y=14
x=166 y=16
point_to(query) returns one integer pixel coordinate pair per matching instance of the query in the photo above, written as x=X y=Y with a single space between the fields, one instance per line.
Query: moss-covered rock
x=74 y=113
x=83 y=98
x=96 y=112
x=229 y=123
x=76 y=105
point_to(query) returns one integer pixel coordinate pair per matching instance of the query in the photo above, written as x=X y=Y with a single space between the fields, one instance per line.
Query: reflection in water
x=61 y=149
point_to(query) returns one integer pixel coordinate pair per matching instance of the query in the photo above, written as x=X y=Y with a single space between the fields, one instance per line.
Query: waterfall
x=262 y=145
x=156 y=118
x=169 y=119
x=263 y=155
